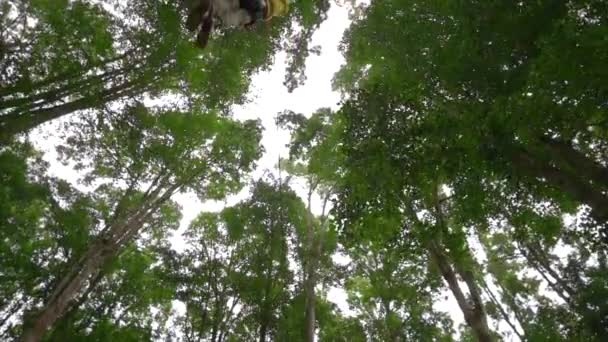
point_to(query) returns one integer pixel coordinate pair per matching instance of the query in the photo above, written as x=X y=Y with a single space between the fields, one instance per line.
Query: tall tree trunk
x=309 y=274
x=539 y=254
x=315 y=240
x=473 y=314
x=265 y=315
x=576 y=162
x=503 y=312
x=532 y=262
x=474 y=293
x=11 y=125
x=87 y=266
x=68 y=318
x=310 y=308
x=578 y=189
x=97 y=254
x=509 y=298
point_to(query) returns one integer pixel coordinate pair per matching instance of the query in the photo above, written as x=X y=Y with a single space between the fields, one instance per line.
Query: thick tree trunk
x=475 y=295
x=69 y=287
x=11 y=125
x=578 y=189
x=473 y=314
x=88 y=266
x=68 y=318
x=576 y=162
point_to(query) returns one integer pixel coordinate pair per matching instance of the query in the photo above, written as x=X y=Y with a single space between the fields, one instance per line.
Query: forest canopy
x=458 y=192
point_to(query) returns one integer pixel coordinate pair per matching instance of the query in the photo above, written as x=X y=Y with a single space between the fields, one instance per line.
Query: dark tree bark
x=474 y=314
x=527 y=164
x=17 y=123
x=576 y=162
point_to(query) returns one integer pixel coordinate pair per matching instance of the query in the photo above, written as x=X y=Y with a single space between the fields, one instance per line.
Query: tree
x=392 y=290
x=235 y=278
x=266 y=223
x=467 y=161
x=313 y=159
x=483 y=91
x=206 y=275
x=161 y=152
x=43 y=222
x=78 y=55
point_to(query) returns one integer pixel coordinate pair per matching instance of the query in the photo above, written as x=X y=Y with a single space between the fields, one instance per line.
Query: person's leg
x=202 y=39
x=197 y=11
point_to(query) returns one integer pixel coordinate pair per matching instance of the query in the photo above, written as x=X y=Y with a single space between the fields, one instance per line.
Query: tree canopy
x=458 y=192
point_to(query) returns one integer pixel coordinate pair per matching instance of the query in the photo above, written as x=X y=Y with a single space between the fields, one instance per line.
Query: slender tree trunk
x=532 y=262
x=503 y=312
x=315 y=240
x=266 y=306
x=538 y=253
x=473 y=314
x=310 y=276
x=509 y=298
x=310 y=309
x=505 y=297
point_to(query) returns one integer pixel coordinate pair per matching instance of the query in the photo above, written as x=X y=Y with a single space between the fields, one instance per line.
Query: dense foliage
x=462 y=183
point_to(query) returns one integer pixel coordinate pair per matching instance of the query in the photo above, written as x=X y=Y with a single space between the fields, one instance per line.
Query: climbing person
x=204 y=14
